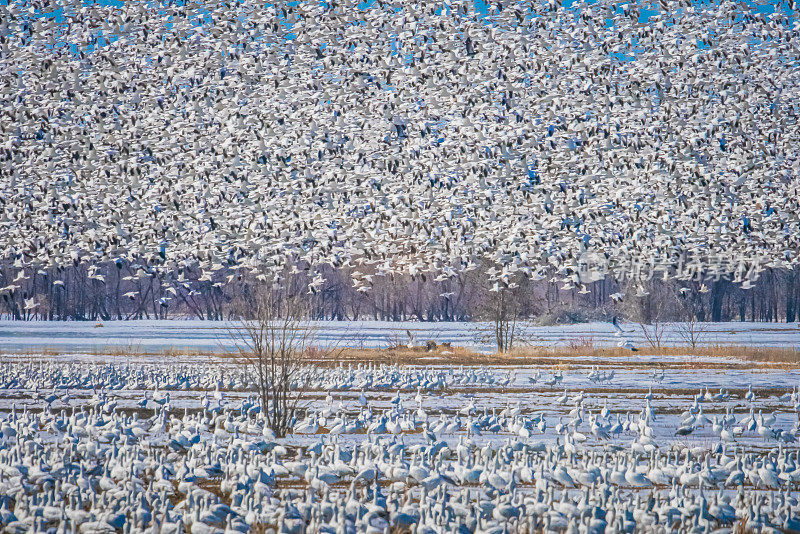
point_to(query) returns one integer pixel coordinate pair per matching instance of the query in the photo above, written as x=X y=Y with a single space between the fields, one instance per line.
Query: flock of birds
x=413 y=137
x=160 y=379
x=581 y=422
x=103 y=448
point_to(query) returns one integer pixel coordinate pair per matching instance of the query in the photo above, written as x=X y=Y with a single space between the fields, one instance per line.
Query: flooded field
x=98 y=442
x=208 y=336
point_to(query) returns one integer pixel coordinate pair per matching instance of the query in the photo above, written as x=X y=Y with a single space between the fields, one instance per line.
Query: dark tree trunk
x=717 y=295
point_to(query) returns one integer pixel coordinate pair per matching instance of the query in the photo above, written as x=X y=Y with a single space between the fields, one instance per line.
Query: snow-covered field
x=208 y=336
x=99 y=443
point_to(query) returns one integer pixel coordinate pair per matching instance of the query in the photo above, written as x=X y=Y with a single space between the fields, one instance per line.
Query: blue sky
x=482 y=6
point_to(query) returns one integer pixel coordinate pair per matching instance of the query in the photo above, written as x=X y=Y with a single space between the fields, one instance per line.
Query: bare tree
x=272 y=340
x=653 y=332
x=502 y=313
x=649 y=308
x=692 y=330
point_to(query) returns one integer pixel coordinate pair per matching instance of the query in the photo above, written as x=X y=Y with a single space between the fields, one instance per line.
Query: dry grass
x=581 y=344
x=767 y=354
x=132 y=350
x=565 y=357
x=44 y=351
x=582 y=351
x=403 y=355
x=188 y=353
x=747 y=353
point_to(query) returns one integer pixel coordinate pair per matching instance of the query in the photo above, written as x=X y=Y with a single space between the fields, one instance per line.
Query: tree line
x=129 y=290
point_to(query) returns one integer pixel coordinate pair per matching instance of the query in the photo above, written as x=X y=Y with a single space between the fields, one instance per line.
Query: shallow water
x=209 y=336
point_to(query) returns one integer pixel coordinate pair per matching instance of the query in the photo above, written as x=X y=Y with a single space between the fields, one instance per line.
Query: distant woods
x=128 y=291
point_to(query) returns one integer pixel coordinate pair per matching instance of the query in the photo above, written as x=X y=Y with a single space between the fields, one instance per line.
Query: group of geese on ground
x=44 y=376
x=100 y=467
x=55 y=385
x=582 y=422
